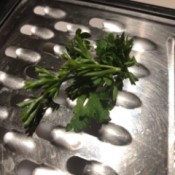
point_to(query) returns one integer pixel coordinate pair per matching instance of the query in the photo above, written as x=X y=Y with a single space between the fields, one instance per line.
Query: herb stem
x=116 y=69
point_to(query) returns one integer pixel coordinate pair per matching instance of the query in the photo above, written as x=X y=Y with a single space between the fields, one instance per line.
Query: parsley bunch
x=94 y=81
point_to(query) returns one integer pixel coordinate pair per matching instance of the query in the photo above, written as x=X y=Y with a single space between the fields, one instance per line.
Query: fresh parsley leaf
x=93 y=80
x=88 y=110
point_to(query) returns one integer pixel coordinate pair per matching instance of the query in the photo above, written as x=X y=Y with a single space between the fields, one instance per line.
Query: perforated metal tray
x=139 y=140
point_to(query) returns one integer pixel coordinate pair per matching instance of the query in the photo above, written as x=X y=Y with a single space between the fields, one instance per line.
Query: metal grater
x=139 y=140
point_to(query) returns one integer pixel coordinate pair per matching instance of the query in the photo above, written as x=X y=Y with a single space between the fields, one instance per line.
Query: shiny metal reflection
x=46 y=171
x=139 y=71
x=11 y=81
x=115 y=134
x=68 y=140
x=39 y=32
x=69 y=27
x=143 y=45
x=115 y=27
x=96 y=168
x=171 y=100
x=19 y=143
x=54 y=49
x=128 y=100
x=23 y=54
x=71 y=103
x=59 y=49
x=28 y=55
x=49 y=11
x=4 y=113
x=107 y=25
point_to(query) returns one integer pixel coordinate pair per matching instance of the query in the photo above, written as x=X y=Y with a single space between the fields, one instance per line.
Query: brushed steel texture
x=139 y=140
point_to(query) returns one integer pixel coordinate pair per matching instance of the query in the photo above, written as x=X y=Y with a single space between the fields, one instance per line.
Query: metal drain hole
x=11 y=81
x=3 y=131
x=75 y=165
x=15 y=99
x=50 y=12
x=115 y=134
x=143 y=45
x=54 y=49
x=4 y=113
x=19 y=143
x=23 y=54
x=106 y=25
x=128 y=100
x=44 y=130
x=96 y=168
x=139 y=71
x=30 y=72
x=26 y=167
x=69 y=27
x=5 y=97
x=80 y=166
x=39 y=32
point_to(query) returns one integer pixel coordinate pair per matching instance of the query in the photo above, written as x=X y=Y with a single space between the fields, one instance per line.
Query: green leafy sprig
x=94 y=81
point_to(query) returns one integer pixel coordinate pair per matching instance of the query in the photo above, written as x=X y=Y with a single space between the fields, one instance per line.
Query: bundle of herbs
x=94 y=81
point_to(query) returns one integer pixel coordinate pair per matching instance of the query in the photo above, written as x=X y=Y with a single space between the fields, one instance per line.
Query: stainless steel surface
x=168 y=3
x=139 y=140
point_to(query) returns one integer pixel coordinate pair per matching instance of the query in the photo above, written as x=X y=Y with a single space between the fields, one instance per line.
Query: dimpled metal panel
x=139 y=140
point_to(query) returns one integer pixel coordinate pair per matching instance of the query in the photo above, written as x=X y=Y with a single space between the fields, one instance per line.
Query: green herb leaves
x=86 y=111
x=94 y=81
x=115 y=50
